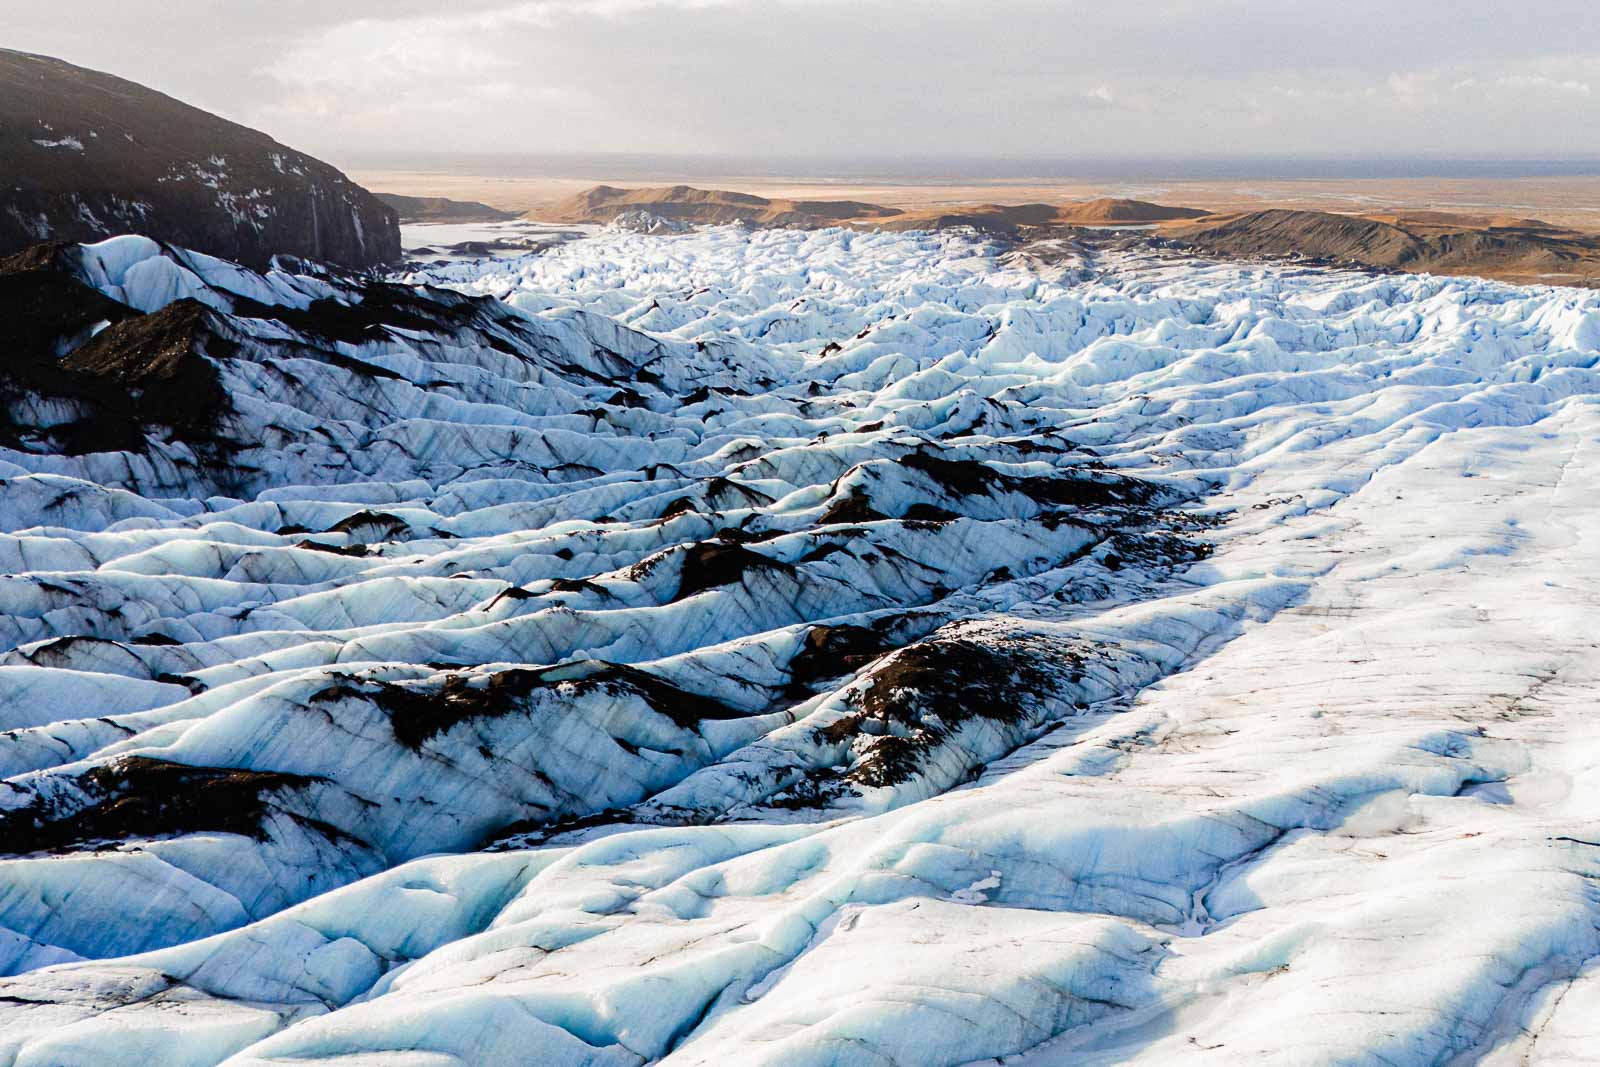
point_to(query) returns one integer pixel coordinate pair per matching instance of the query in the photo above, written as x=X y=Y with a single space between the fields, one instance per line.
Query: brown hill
x=1451 y=221
x=712 y=206
x=1512 y=249
x=442 y=209
x=1113 y=211
x=1010 y=218
x=994 y=218
x=1315 y=234
x=88 y=155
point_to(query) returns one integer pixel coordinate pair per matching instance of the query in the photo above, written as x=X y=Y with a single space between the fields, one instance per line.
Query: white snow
x=1326 y=795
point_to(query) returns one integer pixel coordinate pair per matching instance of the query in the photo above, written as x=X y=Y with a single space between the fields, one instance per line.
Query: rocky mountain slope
x=796 y=647
x=89 y=155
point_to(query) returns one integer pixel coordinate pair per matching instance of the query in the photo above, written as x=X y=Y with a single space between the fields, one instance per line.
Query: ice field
x=804 y=648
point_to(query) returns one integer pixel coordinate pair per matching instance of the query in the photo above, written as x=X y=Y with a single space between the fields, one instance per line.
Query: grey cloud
x=867 y=77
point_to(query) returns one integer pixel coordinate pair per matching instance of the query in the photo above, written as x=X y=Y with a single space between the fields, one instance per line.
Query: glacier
x=790 y=648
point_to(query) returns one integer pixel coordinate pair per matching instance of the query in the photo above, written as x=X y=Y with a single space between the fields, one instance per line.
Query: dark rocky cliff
x=85 y=155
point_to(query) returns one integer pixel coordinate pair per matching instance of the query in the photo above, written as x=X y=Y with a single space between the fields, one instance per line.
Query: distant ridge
x=1106 y=211
x=1496 y=246
x=1427 y=242
x=89 y=155
x=714 y=206
x=442 y=209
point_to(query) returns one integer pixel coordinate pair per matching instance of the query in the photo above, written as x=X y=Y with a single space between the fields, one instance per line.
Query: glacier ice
x=782 y=647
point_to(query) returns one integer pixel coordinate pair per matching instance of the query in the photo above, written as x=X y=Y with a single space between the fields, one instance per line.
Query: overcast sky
x=841 y=78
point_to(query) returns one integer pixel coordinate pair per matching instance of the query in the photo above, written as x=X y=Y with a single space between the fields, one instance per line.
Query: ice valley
x=797 y=648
